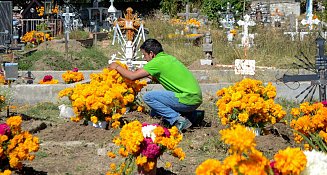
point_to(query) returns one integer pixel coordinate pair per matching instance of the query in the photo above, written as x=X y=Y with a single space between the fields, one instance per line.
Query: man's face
x=147 y=56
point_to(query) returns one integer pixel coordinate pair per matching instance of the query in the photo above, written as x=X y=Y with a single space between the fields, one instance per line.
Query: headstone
x=5 y=21
x=244 y=67
x=187 y=13
x=207 y=49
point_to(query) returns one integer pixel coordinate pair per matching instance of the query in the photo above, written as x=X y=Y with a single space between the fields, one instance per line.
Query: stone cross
x=187 y=14
x=95 y=3
x=245 y=24
x=67 y=24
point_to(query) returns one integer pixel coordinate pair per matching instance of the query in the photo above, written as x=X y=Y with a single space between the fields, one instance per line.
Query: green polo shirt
x=174 y=76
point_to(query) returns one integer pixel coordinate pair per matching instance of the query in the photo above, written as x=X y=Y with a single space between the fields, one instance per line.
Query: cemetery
x=261 y=66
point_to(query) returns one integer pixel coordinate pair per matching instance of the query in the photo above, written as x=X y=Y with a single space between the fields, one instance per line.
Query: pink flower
x=167 y=133
x=324 y=103
x=4 y=129
x=272 y=166
x=47 y=78
x=75 y=69
x=150 y=149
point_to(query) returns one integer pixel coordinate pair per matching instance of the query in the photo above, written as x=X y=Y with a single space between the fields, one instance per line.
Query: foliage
x=78 y=34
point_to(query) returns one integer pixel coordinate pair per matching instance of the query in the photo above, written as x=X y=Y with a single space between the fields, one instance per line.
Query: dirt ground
x=69 y=148
x=74 y=148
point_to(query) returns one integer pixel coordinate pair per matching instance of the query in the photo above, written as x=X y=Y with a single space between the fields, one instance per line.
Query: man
x=182 y=92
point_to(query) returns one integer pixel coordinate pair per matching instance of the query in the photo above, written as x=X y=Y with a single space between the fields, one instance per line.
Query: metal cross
x=319 y=79
x=67 y=24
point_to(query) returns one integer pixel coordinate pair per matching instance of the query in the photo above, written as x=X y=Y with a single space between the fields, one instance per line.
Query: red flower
x=75 y=69
x=47 y=78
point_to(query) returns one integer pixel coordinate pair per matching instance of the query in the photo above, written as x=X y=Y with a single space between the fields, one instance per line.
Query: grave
x=294 y=29
x=260 y=12
x=318 y=79
x=67 y=23
x=97 y=13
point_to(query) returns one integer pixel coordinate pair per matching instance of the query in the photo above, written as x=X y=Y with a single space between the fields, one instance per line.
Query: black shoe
x=182 y=123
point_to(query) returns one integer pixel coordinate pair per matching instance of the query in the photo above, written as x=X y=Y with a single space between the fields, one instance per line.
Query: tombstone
x=318 y=80
x=6 y=22
x=97 y=13
x=244 y=67
x=113 y=15
x=207 y=49
x=260 y=12
x=228 y=22
x=246 y=38
x=187 y=13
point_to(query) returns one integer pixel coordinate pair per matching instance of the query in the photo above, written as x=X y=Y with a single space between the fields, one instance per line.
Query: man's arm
x=140 y=73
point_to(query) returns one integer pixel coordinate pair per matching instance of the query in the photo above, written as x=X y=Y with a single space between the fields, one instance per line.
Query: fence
x=55 y=25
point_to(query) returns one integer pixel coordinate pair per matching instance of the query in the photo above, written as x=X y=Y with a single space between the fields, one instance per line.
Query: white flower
x=316 y=163
x=148 y=131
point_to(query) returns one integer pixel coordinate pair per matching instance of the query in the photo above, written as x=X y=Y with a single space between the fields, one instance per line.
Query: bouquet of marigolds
x=309 y=124
x=36 y=37
x=106 y=98
x=15 y=145
x=249 y=103
x=245 y=159
x=48 y=79
x=72 y=76
x=144 y=144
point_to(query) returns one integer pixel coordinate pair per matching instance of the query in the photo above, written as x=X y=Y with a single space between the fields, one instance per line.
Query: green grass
x=42 y=111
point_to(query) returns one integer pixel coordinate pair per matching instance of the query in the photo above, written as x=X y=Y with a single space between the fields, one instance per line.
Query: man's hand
x=113 y=65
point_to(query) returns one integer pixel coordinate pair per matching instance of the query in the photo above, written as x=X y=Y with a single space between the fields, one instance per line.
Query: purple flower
x=150 y=149
x=75 y=69
x=4 y=129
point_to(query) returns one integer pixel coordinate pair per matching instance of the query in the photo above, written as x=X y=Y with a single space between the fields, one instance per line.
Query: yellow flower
x=290 y=161
x=94 y=119
x=111 y=154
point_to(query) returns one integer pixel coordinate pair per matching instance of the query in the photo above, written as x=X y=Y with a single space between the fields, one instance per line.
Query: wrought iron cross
x=319 y=79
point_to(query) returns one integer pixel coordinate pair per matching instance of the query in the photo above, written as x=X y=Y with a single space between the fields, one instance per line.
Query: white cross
x=247 y=22
x=67 y=22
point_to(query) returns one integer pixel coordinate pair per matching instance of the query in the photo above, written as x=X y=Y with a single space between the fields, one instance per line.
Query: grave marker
x=67 y=23
x=187 y=13
x=247 y=40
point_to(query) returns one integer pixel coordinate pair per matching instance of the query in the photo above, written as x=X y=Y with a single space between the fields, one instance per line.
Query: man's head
x=150 y=48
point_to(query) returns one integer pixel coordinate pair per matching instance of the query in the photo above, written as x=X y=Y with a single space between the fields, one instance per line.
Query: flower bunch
x=55 y=10
x=316 y=162
x=193 y=23
x=36 y=37
x=106 y=98
x=40 y=10
x=175 y=21
x=245 y=159
x=144 y=144
x=310 y=121
x=249 y=103
x=15 y=145
x=72 y=76
x=48 y=79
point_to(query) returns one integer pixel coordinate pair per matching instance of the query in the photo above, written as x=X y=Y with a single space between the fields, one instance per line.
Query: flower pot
x=256 y=131
x=99 y=124
x=141 y=170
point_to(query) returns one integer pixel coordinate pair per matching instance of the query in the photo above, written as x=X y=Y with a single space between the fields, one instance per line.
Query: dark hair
x=152 y=45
